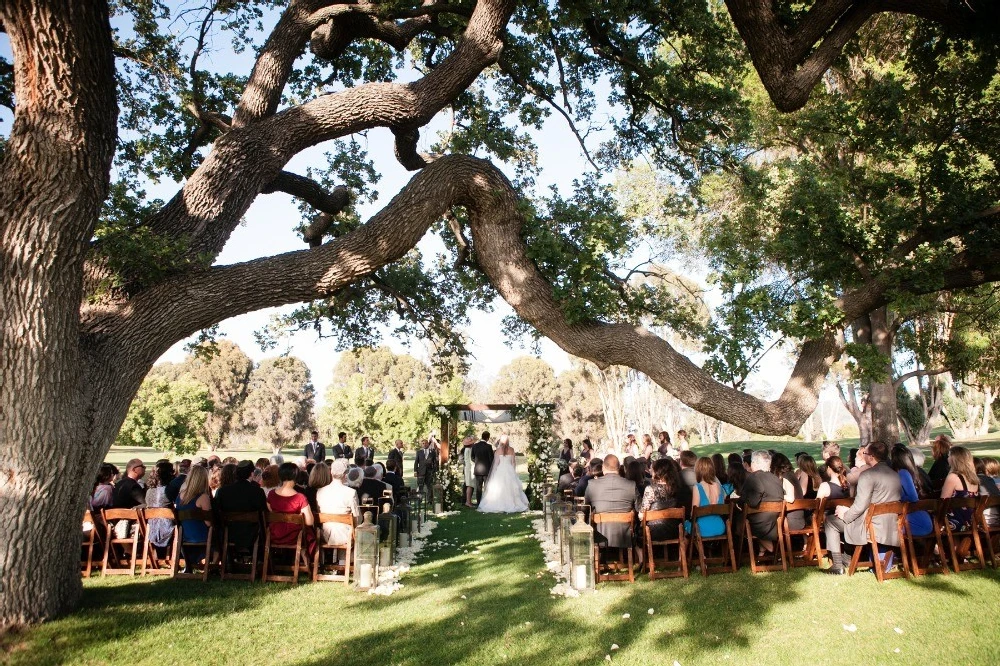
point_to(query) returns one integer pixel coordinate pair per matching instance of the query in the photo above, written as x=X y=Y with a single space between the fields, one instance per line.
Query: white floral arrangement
x=442 y=410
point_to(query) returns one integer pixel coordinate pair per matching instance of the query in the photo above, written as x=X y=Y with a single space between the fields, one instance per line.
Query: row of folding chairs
x=801 y=546
x=124 y=555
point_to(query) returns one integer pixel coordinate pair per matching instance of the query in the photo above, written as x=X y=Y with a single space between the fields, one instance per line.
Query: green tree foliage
x=225 y=370
x=167 y=416
x=278 y=409
x=578 y=406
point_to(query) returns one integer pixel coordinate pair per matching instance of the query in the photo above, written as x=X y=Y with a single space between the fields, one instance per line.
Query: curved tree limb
x=307 y=189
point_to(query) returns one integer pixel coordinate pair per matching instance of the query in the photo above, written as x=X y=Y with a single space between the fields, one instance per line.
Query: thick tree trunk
x=882 y=395
x=984 y=425
x=53 y=179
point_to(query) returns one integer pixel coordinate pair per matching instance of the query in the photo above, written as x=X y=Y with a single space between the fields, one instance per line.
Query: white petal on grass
x=651 y=611
x=850 y=627
x=614 y=646
x=898 y=631
x=896 y=650
x=626 y=616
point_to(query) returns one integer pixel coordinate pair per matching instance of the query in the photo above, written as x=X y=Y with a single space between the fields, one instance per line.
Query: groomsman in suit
x=612 y=493
x=340 y=449
x=395 y=453
x=365 y=454
x=424 y=466
x=315 y=449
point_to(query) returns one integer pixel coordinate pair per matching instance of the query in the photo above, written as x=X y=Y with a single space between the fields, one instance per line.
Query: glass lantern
x=547 y=505
x=366 y=553
x=438 y=498
x=565 y=524
x=388 y=524
x=581 y=554
x=557 y=508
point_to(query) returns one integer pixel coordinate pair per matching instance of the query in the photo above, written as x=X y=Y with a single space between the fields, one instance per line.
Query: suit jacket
x=876 y=485
x=240 y=496
x=373 y=489
x=763 y=487
x=397 y=455
x=426 y=464
x=397 y=483
x=482 y=456
x=364 y=456
x=612 y=494
x=316 y=451
x=338 y=450
x=566 y=482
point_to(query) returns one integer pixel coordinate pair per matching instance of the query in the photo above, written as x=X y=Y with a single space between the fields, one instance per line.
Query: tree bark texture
x=882 y=395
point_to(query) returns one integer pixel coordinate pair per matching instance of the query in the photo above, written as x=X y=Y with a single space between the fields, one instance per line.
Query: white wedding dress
x=503 y=493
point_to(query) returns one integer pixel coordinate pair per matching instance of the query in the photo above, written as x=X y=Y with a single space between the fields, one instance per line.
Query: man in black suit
x=365 y=454
x=242 y=496
x=128 y=493
x=482 y=461
x=371 y=489
x=424 y=467
x=394 y=477
x=612 y=493
x=877 y=484
x=595 y=470
x=339 y=449
x=174 y=487
x=315 y=449
x=395 y=453
x=762 y=486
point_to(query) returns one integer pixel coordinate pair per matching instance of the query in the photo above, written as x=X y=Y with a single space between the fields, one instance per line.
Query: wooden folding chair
x=114 y=563
x=779 y=547
x=988 y=533
x=827 y=507
x=188 y=545
x=948 y=505
x=897 y=509
x=230 y=518
x=91 y=539
x=809 y=555
x=321 y=547
x=726 y=562
x=608 y=519
x=152 y=565
x=680 y=565
x=273 y=518
x=928 y=541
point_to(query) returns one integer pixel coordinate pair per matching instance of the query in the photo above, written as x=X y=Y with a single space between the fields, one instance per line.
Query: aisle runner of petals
x=406 y=555
x=550 y=550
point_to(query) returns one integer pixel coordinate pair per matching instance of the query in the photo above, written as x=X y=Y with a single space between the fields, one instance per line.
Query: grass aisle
x=508 y=616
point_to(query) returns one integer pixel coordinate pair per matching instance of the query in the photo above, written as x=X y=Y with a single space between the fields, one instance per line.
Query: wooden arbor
x=477 y=413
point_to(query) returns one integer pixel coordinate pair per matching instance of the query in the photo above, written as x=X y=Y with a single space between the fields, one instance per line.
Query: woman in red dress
x=285 y=499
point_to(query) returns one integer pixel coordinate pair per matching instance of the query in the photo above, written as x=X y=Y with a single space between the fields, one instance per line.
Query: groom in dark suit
x=482 y=460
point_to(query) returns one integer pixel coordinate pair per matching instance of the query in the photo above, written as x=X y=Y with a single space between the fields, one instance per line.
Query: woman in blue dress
x=902 y=461
x=709 y=491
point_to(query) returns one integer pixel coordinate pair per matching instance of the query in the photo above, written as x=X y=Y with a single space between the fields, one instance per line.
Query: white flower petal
x=850 y=627
x=625 y=616
x=651 y=611
x=614 y=646
x=898 y=630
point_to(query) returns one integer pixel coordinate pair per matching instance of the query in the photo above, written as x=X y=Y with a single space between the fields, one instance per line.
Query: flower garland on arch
x=541 y=448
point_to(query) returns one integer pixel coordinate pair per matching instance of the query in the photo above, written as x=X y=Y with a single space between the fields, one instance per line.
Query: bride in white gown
x=503 y=493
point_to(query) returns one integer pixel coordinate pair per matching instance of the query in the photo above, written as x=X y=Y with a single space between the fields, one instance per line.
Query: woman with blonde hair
x=961 y=481
x=194 y=494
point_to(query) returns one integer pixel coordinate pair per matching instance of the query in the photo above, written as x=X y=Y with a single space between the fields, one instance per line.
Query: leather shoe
x=834 y=571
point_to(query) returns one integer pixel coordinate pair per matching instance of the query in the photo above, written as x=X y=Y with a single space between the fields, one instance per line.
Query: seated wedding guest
x=242 y=496
x=647 y=447
x=371 y=489
x=926 y=488
x=394 y=479
x=635 y=472
x=277 y=459
x=901 y=460
x=338 y=499
x=808 y=477
x=301 y=479
x=269 y=479
x=566 y=452
x=128 y=492
x=612 y=493
x=285 y=499
x=228 y=475
x=213 y=462
x=877 y=484
x=666 y=491
x=992 y=469
x=708 y=491
x=319 y=477
x=161 y=530
x=194 y=494
x=720 y=468
x=103 y=496
x=781 y=467
x=262 y=464
x=688 y=460
x=960 y=482
x=836 y=486
x=595 y=470
x=174 y=487
x=852 y=458
x=736 y=476
x=762 y=486
x=569 y=478
x=586 y=449
x=860 y=465
x=230 y=460
x=214 y=478
x=829 y=449
x=939 y=451
x=354 y=477
x=988 y=486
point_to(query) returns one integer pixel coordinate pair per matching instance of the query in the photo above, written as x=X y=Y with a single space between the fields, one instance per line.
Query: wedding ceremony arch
x=541 y=440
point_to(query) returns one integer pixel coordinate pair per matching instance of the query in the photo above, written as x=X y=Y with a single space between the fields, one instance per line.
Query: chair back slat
x=194 y=514
x=885 y=508
x=802 y=505
x=661 y=514
x=119 y=514
x=624 y=517
x=290 y=518
x=766 y=507
x=158 y=512
x=724 y=510
x=240 y=517
x=342 y=518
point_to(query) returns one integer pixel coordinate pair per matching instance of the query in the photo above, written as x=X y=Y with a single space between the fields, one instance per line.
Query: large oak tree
x=98 y=281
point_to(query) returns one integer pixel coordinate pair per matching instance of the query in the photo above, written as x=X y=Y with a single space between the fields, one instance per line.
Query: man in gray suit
x=612 y=493
x=879 y=483
x=762 y=486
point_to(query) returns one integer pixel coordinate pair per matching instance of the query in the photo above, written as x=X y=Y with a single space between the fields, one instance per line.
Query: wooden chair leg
x=854 y=560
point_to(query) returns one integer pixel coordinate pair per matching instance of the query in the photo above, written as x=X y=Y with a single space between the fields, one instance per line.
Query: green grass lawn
x=508 y=616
